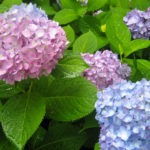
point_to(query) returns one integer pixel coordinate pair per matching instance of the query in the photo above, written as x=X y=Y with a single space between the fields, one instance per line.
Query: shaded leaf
x=90 y=122
x=5 y=144
x=37 y=138
x=7 y=90
x=63 y=136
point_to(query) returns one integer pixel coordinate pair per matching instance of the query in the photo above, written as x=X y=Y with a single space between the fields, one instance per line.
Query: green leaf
x=70 y=34
x=41 y=85
x=9 y=3
x=140 y=69
x=87 y=42
x=70 y=66
x=140 y=4
x=1 y=106
x=7 y=90
x=97 y=147
x=65 y=16
x=37 y=138
x=144 y=67
x=120 y=3
x=136 y=45
x=117 y=33
x=70 y=4
x=95 y=4
x=70 y=99
x=5 y=144
x=21 y=117
x=3 y=8
x=101 y=41
x=90 y=122
x=92 y=137
x=89 y=23
x=63 y=136
x=45 y=5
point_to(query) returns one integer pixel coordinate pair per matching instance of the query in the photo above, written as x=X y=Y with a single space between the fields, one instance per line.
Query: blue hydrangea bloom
x=139 y=23
x=123 y=112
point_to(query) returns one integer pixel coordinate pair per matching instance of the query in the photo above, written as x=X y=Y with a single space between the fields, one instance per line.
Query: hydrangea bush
x=74 y=75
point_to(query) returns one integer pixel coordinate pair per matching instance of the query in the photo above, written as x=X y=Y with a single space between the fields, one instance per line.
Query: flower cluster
x=139 y=23
x=105 y=68
x=123 y=111
x=30 y=44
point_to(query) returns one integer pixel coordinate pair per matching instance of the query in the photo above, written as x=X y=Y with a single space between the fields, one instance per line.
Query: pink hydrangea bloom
x=29 y=46
x=105 y=69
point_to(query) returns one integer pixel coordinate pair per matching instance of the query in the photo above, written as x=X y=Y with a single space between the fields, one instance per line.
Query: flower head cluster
x=123 y=111
x=105 y=68
x=139 y=23
x=30 y=44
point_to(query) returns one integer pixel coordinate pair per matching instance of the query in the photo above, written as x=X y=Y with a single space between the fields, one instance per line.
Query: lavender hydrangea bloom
x=105 y=68
x=123 y=112
x=18 y=12
x=29 y=46
x=139 y=23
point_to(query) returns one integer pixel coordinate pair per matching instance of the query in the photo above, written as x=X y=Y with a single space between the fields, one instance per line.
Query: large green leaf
x=70 y=99
x=70 y=34
x=140 y=4
x=21 y=117
x=87 y=42
x=95 y=4
x=63 y=136
x=70 y=66
x=9 y=3
x=136 y=45
x=71 y=4
x=140 y=68
x=65 y=16
x=117 y=32
x=5 y=144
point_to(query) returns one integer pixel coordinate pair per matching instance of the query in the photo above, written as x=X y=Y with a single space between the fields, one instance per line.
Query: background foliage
x=57 y=112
